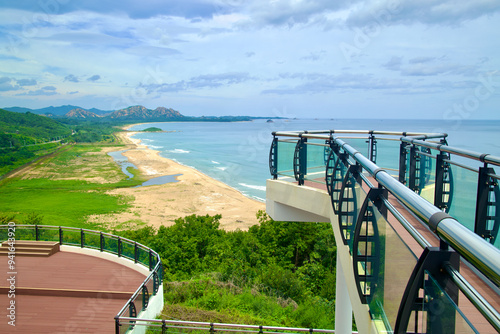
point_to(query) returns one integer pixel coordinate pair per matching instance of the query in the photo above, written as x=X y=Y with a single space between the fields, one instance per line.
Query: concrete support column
x=343 y=307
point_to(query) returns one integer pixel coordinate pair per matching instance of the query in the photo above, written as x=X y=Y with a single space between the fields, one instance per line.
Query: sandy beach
x=195 y=193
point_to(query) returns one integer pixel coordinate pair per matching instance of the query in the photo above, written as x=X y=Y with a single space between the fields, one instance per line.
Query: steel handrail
x=468 y=244
x=487 y=158
x=474 y=249
x=225 y=326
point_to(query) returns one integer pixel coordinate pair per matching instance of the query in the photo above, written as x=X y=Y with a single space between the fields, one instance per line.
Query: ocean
x=238 y=153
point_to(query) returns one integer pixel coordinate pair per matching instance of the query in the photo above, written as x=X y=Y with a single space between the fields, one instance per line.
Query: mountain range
x=130 y=113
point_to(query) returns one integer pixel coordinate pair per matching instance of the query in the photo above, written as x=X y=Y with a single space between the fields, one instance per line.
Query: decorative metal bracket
x=487 y=206
x=300 y=160
x=273 y=158
x=347 y=202
x=439 y=319
x=443 y=192
x=366 y=245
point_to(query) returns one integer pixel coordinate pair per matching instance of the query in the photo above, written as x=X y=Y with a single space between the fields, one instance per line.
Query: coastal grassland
x=12 y=158
x=65 y=188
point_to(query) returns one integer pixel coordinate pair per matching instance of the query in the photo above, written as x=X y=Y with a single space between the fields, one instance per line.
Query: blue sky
x=315 y=58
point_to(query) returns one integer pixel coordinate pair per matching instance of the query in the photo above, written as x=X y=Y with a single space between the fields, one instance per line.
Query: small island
x=152 y=129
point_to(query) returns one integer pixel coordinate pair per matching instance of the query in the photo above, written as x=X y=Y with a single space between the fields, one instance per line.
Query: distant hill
x=142 y=113
x=31 y=125
x=19 y=109
x=70 y=114
x=60 y=111
x=80 y=113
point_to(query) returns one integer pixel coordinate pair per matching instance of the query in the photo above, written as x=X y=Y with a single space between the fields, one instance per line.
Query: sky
x=292 y=58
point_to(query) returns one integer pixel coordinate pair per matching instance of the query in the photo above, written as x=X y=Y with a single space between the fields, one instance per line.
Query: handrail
x=488 y=158
x=468 y=244
x=226 y=327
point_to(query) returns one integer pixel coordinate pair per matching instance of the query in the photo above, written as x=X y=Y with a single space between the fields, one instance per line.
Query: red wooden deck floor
x=59 y=307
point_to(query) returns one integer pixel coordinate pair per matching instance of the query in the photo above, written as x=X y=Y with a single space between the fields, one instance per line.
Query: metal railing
x=179 y=326
x=103 y=242
x=420 y=172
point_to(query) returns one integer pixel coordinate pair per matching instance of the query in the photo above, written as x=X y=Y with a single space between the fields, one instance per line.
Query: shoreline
x=194 y=193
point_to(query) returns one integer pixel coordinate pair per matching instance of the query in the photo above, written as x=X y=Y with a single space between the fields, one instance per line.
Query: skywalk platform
x=66 y=292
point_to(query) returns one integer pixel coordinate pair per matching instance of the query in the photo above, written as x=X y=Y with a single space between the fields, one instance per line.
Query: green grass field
x=61 y=190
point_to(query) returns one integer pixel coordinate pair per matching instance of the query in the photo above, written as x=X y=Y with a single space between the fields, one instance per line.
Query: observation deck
x=416 y=223
x=65 y=280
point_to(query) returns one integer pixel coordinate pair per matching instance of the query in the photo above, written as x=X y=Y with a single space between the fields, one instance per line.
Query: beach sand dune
x=195 y=193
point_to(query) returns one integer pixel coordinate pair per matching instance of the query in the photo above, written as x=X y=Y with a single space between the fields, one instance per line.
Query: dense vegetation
x=152 y=129
x=277 y=273
x=31 y=125
x=27 y=136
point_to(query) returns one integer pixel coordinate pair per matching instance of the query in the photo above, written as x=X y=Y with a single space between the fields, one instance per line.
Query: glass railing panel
x=138 y=301
x=150 y=286
x=125 y=325
x=71 y=237
x=110 y=244
x=360 y=144
x=407 y=158
x=317 y=157
x=427 y=177
x=128 y=250
x=143 y=256
x=92 y=240
x=25 y=233
x=286 y=149
x=443 y=315
x=463 y=203
x=396 y=263
x=48 y=234
x=387 y=156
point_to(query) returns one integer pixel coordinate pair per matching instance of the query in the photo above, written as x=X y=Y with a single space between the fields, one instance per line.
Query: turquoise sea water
x=238 y=153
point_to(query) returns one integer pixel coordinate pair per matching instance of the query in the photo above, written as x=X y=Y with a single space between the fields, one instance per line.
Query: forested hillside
x=26 y=136
x=277 y=273
x=31 y=125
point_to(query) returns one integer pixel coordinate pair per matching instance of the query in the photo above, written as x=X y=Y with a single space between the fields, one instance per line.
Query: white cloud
x=278 y=52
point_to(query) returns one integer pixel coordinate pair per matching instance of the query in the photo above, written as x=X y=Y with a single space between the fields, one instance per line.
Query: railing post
x=117 y=325
x=302 y=160
x=145 y=297
x=156 y=283
x=439 y=190
x=412 y=182
x=273 y=157
x=82 y=238
x=60 y=235
x=136 y=251
x=101 y=242
x=402 y=162
x=150 y=259
x=372 y=148
x=36 y=232
x=119 y=247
